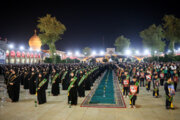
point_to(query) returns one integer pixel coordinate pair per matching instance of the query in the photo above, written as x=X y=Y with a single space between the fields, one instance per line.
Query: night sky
x=87 y=23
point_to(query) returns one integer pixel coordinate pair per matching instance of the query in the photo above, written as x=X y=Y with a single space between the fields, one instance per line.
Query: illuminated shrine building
x=35 y=42
x=22 y=57
x=17 y=56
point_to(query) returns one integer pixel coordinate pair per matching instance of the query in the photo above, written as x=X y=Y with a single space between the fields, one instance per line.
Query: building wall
x=27 y=58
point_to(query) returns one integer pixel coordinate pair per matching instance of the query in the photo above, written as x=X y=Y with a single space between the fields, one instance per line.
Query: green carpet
x=104 y=94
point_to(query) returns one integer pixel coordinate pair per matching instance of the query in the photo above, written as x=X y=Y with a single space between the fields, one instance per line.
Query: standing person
x=32 y=81
x=123 y=76
x=13 y=87
x=1 y=70
x=172 y=68
x=25 y=79
x=41 y=89
x=55 y=83
x=72 y=90
x=142 y=76
x=134 y=90
x=46 y=75
x=175 y=79
x=7 y=75
x=134 y=71
x=165 y=71
x=20 y=73
x=126 y=84
x=138 y=74
x=64 y=79
x=156 y=86
x=81 y=84
x=88 y=80
x=118 y=72
x=170 y=92
x=161 y=77
x=148 y=82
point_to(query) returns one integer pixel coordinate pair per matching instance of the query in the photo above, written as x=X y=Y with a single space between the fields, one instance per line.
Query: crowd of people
x=135 y=75
x=77 y=78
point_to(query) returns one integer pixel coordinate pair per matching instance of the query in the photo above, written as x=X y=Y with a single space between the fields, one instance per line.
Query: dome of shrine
x=35 y=42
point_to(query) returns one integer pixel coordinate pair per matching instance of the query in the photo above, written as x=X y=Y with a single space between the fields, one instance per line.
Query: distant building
x=35 y=42
x=110 y=51
x=17 y=56
x=2 y=52
x=60 y=53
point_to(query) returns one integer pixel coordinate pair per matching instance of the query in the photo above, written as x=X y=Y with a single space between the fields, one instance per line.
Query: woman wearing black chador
x=72 y=90
x=41 y=88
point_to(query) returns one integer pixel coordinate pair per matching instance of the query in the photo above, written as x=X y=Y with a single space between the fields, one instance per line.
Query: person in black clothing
x=142 y=76
x=88 y=81
x=21 y=75
x=156 y=86
x=46 y=75
x=13 y=87
x=1 y=70
x=65 y=79
x=55 y=83
x=41 y=89
x=161 y=76
x=72 y=95
x=32 y=81
x=148 y=81
x=7 y=74
x=123 y=77
x=168 y=87
x=81 y=87
x=25 y=79
x=175 y=79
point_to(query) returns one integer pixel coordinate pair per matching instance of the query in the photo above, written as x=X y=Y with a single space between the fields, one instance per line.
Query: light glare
x=146 y=52
x=30 y=49
x=137 y=52
x=69 y=53
x=11 y=46
x=77 y=53
x=94 y=53
x=128 y=52
x=21 y=48
x=101 y=52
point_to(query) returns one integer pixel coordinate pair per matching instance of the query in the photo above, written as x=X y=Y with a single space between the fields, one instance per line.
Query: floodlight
x=77 y=53
x=21 y=47
x=137 y=52
x=101 y=52
x=128 y=52
x=146 y=52
x=30 y=49
x=69 y=53
x=11 y=46
x=94 y=53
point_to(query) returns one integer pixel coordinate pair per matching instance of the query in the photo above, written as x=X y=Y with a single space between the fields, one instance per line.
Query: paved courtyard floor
x=56 y=108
